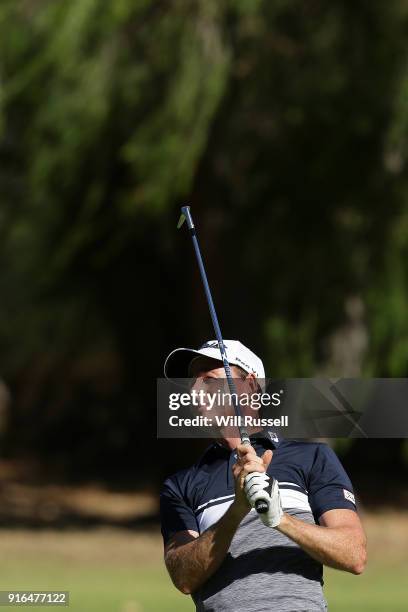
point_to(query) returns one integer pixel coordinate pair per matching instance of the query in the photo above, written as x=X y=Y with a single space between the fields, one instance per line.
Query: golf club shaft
x=242 y=431
x=261 y=505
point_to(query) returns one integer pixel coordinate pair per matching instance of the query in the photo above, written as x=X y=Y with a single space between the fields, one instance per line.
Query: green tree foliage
x=283 y=122
x=106 y=109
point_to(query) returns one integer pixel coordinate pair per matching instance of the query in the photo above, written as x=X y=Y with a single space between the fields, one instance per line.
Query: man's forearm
x=191 y=564
x=338 y=547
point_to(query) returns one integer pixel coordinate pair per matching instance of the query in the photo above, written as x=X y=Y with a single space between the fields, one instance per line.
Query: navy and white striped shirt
x=311 y=481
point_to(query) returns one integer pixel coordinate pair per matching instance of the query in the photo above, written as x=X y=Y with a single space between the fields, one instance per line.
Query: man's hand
x=248 y=462
x=255 y=487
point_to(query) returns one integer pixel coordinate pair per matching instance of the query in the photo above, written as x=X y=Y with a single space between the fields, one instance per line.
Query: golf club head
x=185 y=216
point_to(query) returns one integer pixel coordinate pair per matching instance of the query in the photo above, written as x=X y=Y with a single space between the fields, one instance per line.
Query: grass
x=380 y=588
x=119 y=571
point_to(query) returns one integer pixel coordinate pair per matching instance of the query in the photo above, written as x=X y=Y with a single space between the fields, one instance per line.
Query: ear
x=251 y=378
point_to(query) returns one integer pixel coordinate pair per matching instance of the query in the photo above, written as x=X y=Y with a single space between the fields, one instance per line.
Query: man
x=220 y=550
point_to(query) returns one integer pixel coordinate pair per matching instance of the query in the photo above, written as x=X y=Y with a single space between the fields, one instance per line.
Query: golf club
x=261 y=505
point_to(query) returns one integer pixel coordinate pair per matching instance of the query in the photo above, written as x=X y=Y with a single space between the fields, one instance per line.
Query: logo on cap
x=209 y=345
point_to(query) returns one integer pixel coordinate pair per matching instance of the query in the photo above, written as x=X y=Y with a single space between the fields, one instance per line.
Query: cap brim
x=178 y=362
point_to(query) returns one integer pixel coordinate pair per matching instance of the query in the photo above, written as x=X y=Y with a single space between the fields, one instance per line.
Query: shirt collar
x=267 y=437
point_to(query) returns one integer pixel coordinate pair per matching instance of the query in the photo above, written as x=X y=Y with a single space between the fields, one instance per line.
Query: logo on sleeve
x=349 y=496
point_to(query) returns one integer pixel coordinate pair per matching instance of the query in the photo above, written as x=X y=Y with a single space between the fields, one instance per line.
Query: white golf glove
x=260 y=486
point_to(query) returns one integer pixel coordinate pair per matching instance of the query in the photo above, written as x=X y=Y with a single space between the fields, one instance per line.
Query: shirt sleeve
x=329 y=486
x=175 y=514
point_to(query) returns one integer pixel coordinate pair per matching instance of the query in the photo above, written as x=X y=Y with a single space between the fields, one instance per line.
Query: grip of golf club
x=261 y=504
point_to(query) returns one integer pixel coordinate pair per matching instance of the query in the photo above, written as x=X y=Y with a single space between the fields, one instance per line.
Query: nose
x=201 y=409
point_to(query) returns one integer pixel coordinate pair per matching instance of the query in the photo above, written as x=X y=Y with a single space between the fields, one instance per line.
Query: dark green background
x=283 y=123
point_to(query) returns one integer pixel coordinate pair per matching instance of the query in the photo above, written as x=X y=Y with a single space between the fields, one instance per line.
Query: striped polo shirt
x=263 y=569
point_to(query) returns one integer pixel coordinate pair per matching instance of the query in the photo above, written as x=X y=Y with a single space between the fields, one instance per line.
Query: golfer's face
x=210 y=385
x=212 y=388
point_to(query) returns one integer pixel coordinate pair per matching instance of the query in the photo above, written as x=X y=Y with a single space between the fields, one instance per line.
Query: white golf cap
x=178 y=362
